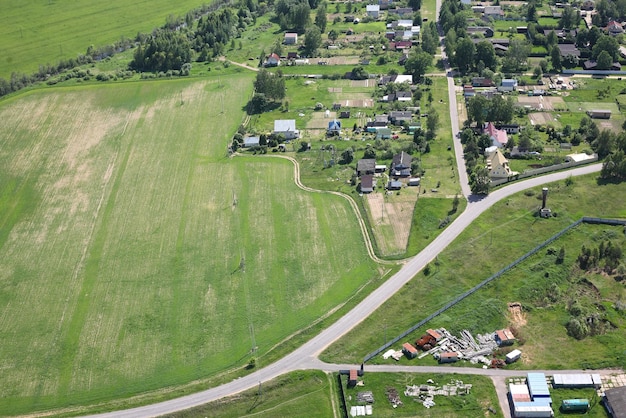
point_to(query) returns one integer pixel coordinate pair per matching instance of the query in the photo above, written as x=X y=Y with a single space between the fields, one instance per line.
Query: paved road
x=305 y=357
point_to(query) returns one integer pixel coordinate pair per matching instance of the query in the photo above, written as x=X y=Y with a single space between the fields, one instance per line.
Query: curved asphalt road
x=305 y=357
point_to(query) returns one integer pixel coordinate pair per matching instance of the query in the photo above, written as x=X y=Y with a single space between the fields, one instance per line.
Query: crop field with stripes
x=137 y=255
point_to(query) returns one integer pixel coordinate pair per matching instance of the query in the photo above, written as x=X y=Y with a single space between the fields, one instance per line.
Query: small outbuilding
x=394 y=185
x=448 y=357
x=251 y=141
x=365 y=166
x=513 y=356
x=291 y=38
x=504 y=337
x=352 y=378
x=409 y=351
x=599 y=114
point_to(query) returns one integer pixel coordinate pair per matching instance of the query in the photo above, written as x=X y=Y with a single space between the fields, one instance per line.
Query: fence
x=342 y=395
x=459 y=298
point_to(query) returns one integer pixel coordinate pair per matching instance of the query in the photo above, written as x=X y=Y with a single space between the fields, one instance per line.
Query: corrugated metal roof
x=518 y=389
x=537 y=385
x=576 y=380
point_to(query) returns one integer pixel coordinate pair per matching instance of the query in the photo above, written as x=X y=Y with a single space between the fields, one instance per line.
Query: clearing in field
x=137 y=255
x=391 y=216
x=542 y=118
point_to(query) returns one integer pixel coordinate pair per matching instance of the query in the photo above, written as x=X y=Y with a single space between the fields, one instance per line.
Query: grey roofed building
x=615 y=402
x=394 y=185
x=365 y=166
x=568 y=49
x=398 y=117
x=401 y=161
x=251 y=141
x=287 y=128
x=367 y=183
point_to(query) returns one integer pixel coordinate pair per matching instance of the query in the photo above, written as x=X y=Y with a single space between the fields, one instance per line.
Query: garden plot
x=542 y=118
x=391 y=216
x=547 y=103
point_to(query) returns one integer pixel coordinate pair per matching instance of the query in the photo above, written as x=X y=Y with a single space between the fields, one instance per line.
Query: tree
x=432 y=122
x=312 y=41
x=370 y=152
x=415 y=4
x=569 y=18
x=320 y=18
x=333 y=35
x=359 y=73
x=531 y=12
x=604 y=61
x=518 y=52
x=606 y=43
x=487 y=54
x=477 y=108
x=480 y=183
x=464 y=55
x=555 y=59
x=347 y=155
x=430 y=38
x=604 y=143
x=417 y=64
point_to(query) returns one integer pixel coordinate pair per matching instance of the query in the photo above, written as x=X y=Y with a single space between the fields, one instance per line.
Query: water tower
x=544 y=212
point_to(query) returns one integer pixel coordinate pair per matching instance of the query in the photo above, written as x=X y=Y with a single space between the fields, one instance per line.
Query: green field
x=495 y=239
x=137 y=255
x=41 y=32
x=296 y=394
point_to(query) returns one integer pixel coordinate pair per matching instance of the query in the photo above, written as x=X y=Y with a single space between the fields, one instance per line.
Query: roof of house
x=396 y=114
x=615 y=400
x=498 y=135
x=251 y=141
x=505 y=334
x=406 y=346
x=367 y=182
x=493 y=10
x=373 y=8
x=353 y=374
x=510 y=82
x=334 y=125
x=496 y=158
x=393 y=184
x=568 y=49
x=366 y=164
x=291 y=35
x=284 y=125
x=402 y=159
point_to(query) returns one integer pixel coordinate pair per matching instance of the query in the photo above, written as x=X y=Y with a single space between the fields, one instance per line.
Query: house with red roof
x=499 y=138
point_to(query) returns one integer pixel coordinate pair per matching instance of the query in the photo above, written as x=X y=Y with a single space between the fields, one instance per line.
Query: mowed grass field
x=40 y=32
x=137 y=255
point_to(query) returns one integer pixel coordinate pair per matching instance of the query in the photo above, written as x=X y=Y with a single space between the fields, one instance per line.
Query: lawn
x=40 y=32
x=498 y=237
x=137 y=255
x=296 y=394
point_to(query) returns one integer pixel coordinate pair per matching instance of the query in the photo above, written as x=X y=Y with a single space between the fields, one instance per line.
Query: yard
x=112 y=201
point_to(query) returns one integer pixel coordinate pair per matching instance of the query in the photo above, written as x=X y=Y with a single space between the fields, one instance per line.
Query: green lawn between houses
x=137 y=255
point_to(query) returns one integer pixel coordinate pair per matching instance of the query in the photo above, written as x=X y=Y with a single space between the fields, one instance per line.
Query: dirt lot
x=357 y=103
x=541 y=102
x=320 y=121
x=391 y=216
x=353 y=60
x=363 y=83
x=541 y=118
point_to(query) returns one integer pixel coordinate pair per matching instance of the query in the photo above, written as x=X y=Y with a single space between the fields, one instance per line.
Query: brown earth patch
x=517 y=317
x=357 y=103
x=541 y=118
x=541 y=102
x=391 y=216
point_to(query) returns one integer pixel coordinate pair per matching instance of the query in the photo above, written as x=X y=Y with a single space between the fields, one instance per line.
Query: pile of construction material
x=426 y=393
x=393 y=397
x=447 y=348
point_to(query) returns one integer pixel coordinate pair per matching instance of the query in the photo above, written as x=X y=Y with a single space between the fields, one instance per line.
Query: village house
x=367 y=183
x=498 y=137
x=286 y=128
x=273 y=60
x=493 y=12
x=486 y=31
x=508 y=84
x=498 y=166
x=291 y=38
x=251 y=141
x=365 y=166
x=401 y=165
x=400 y=117
x=373 y=10
x=614 y=28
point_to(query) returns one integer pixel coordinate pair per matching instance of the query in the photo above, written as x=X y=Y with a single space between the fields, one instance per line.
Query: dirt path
x=238 y=64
